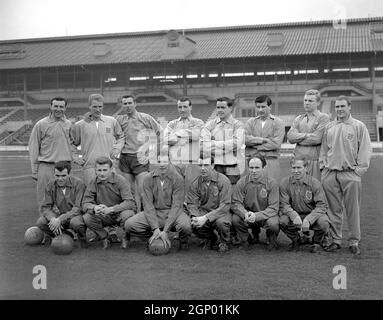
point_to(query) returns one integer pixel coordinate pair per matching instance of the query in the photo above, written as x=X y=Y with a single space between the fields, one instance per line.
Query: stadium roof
x=300 y=38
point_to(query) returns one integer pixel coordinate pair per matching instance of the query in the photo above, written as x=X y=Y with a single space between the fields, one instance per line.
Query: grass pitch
x=135 y=274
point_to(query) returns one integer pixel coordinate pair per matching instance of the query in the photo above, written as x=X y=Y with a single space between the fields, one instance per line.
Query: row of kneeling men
x=216 y=213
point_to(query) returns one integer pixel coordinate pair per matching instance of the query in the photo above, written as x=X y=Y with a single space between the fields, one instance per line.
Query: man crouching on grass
x=61 y=206
x=163 y=199
x=303 y=206
x=208 y=202
x=107 y=202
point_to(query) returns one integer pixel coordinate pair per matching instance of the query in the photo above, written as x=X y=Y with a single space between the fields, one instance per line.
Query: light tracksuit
x=307 y=132
x=273 y=129
x=344 y=158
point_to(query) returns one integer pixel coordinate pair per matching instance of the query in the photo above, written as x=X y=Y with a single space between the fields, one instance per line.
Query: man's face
x=310 y=103
x=129 y=105
x=342 y=109
x=184 y=109
x=58 y=109
x=223 y=111
x=298 y=169
x=205 y=169
x=255 y=168
x=61 y=177
x=103 y=171
x=163 y=164
x=96 y=108
x=263 y=110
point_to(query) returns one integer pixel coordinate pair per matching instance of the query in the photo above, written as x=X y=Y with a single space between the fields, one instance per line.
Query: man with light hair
x=344 y=157
x=98 y=135
x=307 y=132
x=303 y=206
x=108 y=202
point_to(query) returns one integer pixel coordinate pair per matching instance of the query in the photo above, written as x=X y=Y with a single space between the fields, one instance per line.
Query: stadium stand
x=282 y=60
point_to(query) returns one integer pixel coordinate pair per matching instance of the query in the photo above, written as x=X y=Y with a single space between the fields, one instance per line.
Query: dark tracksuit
x=115 y=191
x=163 y=207
x=65 y=206
x=213 y=200
x=305 y=198
x=262 y=196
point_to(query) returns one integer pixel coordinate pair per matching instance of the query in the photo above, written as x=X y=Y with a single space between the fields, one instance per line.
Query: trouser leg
x=222 y=225
x=320 y=228
x=313 y=169
x=46 y=173
x=273 y=169
x=241 y=227
x=78 y=225
x=138 y=225
x=183 y=227
x=96 y=223
x=333 y=191
x=89 y=174
x=352 y=192
x=289 y=229
x=206 y=231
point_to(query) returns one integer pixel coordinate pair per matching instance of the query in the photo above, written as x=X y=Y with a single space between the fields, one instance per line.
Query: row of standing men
x=338 y=152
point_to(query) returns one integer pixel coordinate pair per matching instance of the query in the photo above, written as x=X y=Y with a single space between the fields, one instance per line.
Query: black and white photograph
x=191 y=155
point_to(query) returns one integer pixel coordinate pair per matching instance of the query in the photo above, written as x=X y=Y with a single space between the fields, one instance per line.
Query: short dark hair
x=299 y=158
x=59 y=99
x=262 y=158
x=61 y=165
x=263 y=98
x=128 y=96
x=183 y=99
x=227 y=100
x=344 y=98
x=104 y=160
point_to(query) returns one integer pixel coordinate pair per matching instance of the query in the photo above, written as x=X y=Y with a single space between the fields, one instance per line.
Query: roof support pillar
x=373 y=80
x=25 y=96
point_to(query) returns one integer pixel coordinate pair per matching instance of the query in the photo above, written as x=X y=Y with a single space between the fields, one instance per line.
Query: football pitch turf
x=196 y=274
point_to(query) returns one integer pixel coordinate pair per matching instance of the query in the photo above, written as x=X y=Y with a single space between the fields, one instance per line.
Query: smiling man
x=208 y=202
x=307 y=132
x=222 y=139
x=182 y=136
x=344 y=158
x=107 y=202
x=98 y=135
x=138 y=128
x=255 y=204
x=303 y=206
x=61 y=206
x=264 y=136
x=49 y=143
x=163 y=197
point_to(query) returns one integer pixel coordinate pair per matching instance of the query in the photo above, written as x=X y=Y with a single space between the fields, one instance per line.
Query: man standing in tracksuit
x=49 y=143
x=98 y=135
x=344 y=158
x=264 y=136
x=255 y=204
x=307 y=132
